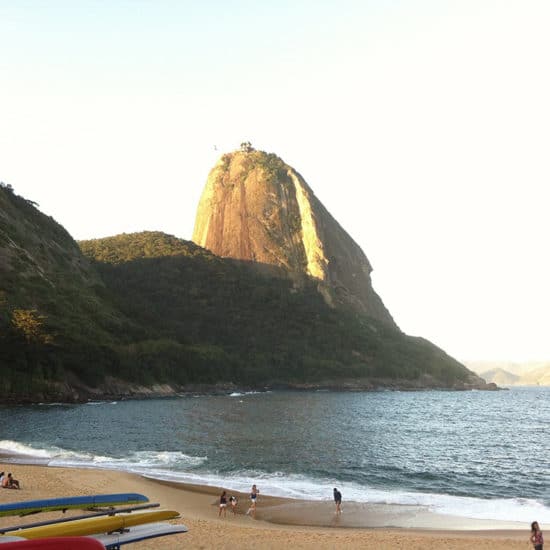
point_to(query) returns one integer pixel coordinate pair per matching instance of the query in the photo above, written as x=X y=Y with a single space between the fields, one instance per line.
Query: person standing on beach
x=536 y=538
x=223 y=504
x=233 y=502
x=253 y=496
x=338 y=500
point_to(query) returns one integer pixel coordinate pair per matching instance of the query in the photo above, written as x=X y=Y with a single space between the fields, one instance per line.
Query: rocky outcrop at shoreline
x=117 y=390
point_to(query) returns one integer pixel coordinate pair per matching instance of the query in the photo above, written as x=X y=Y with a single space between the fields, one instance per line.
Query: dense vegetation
x=212 y=320
x=150 y=308
x=53 y=318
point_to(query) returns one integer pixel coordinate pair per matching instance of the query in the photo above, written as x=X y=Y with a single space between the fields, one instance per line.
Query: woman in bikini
x=253 y=496
x=223 y=504
x=536 y=536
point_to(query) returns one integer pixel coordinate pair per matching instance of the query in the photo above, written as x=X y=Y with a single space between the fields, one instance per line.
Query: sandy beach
x=279 y=522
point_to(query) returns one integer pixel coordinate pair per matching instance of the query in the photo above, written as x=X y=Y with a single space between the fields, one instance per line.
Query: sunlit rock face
x=256 y=208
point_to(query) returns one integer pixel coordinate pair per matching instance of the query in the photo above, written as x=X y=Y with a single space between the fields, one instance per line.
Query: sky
x=423 y=126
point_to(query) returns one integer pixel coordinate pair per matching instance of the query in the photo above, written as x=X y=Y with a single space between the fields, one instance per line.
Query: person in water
x=337 y=500
x=223 y=504
x=536 y=538
x=253 y=497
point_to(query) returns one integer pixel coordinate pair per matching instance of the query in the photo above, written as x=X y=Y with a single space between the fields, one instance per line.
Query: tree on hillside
x=30 y=323
x=246 y=147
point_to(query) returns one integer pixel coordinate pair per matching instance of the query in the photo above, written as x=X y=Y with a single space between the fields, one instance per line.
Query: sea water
x=472 y=454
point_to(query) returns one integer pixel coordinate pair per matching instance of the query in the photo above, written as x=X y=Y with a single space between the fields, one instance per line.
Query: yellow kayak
x=92 y=526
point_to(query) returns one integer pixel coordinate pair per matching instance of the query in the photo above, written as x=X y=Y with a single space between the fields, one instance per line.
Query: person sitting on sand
x=253 y=497
x=536 y=538
x=223 y=504
x=14 y=484
x=9 y=483
x=338 y=500
x=233 y=502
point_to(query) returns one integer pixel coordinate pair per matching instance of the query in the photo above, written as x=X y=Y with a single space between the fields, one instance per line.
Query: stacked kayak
x=108 y=527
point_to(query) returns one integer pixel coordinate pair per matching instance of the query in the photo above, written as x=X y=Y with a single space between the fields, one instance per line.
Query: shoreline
x=279 y=521
x=172 y=391
x=286 y=511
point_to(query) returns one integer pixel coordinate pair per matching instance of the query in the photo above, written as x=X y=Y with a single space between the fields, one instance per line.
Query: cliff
x=256 y=208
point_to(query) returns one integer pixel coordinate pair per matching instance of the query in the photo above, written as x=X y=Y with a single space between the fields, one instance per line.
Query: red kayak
x=54 y=543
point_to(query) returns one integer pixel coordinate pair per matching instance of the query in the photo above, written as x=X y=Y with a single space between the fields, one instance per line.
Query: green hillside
x=243 y=325
x=53 y=318
x=100 y=317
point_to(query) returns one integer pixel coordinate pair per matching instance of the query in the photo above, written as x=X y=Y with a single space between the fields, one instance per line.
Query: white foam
x=142 y=460
x=13 y=447
x=301 y=487
x=241 y=394
x=137 y=461
x=504 y=509
x=179 y=467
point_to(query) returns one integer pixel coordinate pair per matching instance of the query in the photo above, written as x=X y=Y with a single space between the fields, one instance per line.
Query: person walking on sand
x=337 y=500
x=253 y=497
x=233 y=502
x=536 y=538
x=223 y=504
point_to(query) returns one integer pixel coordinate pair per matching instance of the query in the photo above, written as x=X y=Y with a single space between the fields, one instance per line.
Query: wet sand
x=279 y=522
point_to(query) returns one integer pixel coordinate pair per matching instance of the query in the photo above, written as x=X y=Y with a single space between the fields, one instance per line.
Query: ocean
x=480 y=455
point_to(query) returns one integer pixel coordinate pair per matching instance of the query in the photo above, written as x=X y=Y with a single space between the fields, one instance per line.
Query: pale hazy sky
x=422 y=125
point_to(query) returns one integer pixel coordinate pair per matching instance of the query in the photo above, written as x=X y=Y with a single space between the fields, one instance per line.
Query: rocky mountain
x=500 y=377
x=256 y=208
x=514 y=367
x=149 y=314
x=532 y=373
x=535 y=377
